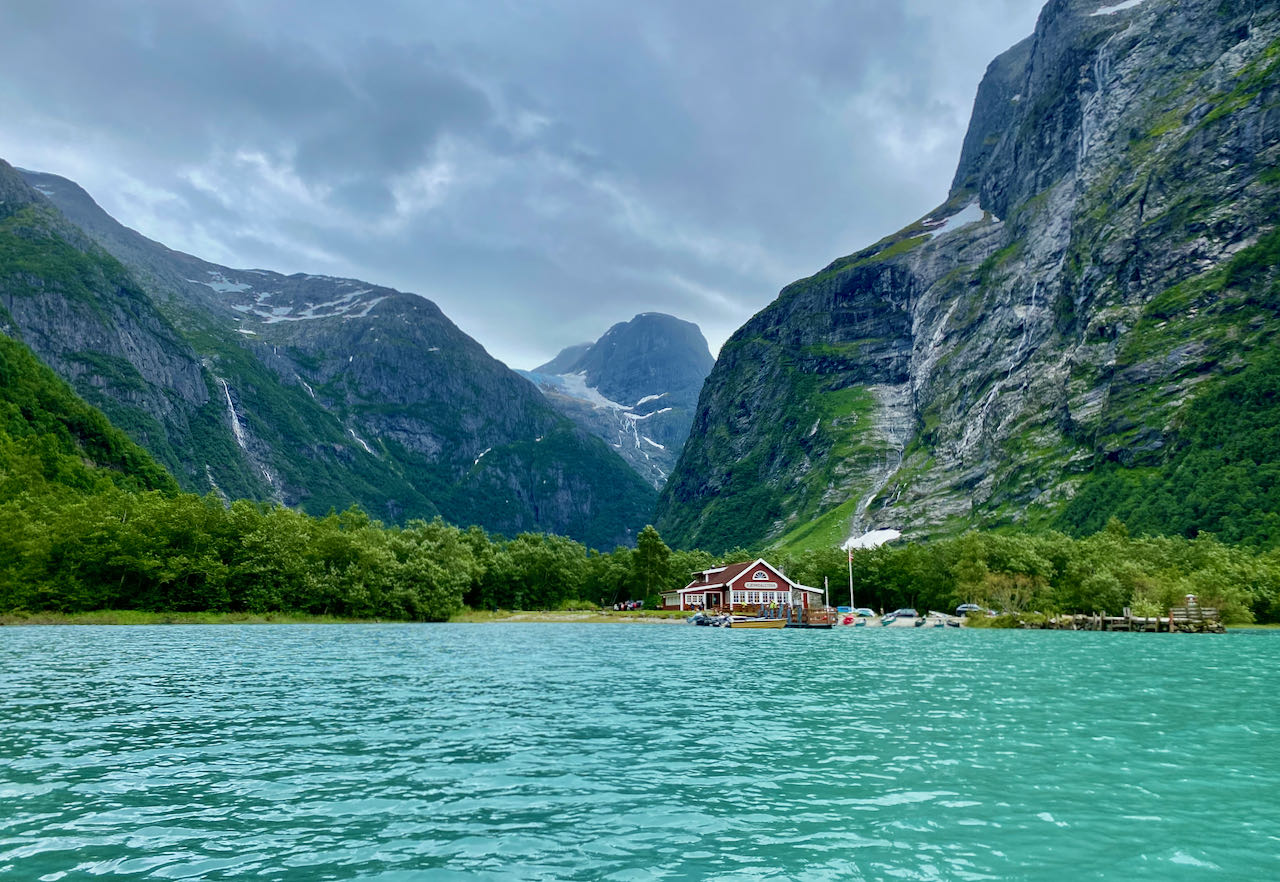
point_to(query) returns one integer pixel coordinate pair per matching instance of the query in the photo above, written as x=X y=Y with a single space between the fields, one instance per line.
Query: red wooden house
x=742 y=587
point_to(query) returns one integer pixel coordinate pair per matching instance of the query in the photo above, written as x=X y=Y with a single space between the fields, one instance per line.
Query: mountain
x=1053 y=343
x=636 y=387
x=314 y=391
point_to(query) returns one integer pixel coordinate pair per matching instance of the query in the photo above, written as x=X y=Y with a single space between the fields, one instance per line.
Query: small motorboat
x=710 y=620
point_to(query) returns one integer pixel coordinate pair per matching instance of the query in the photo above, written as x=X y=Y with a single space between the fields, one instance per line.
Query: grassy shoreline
x=467 y=616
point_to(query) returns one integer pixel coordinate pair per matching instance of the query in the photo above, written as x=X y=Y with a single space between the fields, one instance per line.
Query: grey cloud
x=393 y=105
x=541 y=170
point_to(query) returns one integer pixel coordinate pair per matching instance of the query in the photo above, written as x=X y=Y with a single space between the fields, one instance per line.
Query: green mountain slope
x=1105 y=260
x=52 y=441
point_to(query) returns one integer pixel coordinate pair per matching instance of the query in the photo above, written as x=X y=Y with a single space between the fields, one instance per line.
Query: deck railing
x=796 y=616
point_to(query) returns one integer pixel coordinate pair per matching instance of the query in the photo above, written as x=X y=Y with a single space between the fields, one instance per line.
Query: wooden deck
x=792 y=616
x=1189 y=619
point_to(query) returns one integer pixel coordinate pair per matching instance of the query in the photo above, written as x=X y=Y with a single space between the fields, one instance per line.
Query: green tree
x=651 y=564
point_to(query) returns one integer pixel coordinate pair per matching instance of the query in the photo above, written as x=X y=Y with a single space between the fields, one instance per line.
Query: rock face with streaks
x=313 y=391
x=1105 y=256
x=636 y=387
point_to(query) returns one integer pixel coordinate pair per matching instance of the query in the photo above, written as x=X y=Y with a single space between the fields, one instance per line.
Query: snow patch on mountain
x=349 y=305
x=871 y=539
x=576 y=386
x=939 y=227
x=1112 y=10
x=644 y=416
x=222 y=284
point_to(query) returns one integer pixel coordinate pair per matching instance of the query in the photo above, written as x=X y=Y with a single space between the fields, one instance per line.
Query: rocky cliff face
x=1107 y=253
x=318 y=392
x=636 y=388
x=88 y=318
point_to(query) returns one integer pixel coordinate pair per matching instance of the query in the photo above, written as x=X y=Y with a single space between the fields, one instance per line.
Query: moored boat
x=710 y=619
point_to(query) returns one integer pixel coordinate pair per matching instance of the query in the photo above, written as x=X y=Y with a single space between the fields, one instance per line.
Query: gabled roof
x=724 y=575
x=729 y=572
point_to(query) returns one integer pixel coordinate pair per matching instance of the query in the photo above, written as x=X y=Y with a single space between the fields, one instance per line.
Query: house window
x=760 y=576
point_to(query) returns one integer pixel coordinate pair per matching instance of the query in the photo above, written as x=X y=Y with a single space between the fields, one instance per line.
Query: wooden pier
x=798 y=616
x=1189 y=619
x=812 y=617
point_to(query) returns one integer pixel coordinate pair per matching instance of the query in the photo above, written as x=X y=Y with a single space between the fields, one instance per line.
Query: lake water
x=537 y=751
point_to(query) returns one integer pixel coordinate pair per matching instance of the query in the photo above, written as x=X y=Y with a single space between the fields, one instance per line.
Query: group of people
x=628 y=605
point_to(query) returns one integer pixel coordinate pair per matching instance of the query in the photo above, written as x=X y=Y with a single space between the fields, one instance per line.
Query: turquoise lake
x=540 y=751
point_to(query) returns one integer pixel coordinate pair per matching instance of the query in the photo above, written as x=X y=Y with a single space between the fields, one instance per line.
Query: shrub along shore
x=181 y=555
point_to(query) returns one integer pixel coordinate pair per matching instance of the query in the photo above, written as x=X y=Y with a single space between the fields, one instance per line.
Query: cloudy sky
x=541 y=169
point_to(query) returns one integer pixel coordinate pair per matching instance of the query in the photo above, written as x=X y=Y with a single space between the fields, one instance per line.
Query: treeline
x=1054 y=573
x=117 y=549
x=123 y=549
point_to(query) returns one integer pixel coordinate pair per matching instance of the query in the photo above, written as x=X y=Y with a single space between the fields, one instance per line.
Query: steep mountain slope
x=51 y=440
x=321 y=392
x=636 y=387
x=85 y=316
x=1106 y=257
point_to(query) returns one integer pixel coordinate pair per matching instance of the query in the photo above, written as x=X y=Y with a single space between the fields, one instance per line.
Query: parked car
x=904 y=613
x=965 y=608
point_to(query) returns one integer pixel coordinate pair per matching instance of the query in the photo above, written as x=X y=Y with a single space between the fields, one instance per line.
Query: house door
x=714 y=599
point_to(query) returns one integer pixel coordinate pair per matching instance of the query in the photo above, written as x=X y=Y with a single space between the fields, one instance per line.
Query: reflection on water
x=542 y=751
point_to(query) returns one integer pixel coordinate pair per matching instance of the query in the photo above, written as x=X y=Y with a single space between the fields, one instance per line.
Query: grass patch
x=829 y=530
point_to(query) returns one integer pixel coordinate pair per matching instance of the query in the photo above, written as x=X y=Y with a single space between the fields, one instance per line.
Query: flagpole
x=851 y=603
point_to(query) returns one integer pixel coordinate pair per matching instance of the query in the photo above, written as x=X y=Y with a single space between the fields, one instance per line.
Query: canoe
x=758 y=623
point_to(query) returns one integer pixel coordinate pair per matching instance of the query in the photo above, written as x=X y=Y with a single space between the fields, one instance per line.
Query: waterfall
x=361 y=441
x=1027 y=317
x=236 y=426
x=893 y=424
x=1101 y=73
x=892 y=462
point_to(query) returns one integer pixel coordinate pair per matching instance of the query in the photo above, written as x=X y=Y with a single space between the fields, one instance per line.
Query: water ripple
x=410 y=752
